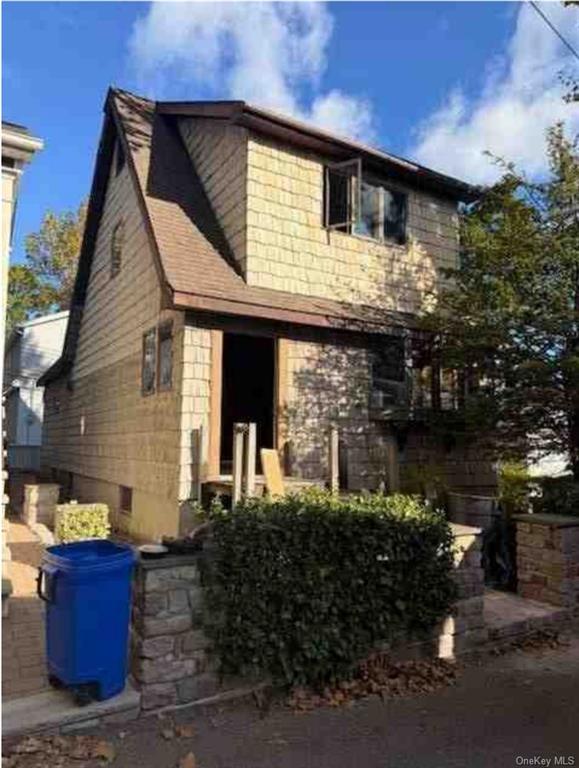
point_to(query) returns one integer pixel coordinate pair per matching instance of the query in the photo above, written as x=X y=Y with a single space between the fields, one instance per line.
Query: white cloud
x=270 y=54
x=521 y=96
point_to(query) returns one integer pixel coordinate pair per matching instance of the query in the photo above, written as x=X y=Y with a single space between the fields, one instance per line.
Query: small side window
x=165 y=356
x=117 y=241
x=148 y=369
x=125 y=499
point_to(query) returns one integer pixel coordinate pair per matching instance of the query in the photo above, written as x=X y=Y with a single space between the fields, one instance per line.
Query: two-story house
x=238 y=266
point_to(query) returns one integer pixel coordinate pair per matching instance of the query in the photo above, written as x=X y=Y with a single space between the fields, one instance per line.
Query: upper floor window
x=359 y=204
x=117 y=241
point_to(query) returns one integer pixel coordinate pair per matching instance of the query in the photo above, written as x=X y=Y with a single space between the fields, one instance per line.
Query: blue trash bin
x=87 y=590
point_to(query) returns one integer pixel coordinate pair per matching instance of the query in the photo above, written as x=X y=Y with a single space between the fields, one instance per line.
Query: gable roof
x=193 y=258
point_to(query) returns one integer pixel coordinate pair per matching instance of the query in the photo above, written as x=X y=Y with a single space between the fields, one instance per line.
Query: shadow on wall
x=333 y=383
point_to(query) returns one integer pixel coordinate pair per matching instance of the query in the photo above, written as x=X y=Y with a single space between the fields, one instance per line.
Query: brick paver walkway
x=23 y=667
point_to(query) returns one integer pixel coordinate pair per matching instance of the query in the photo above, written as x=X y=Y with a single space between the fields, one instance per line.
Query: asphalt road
x=504 y=713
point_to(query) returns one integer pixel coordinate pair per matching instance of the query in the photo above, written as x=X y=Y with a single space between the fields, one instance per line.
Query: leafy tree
x=44 y=282
x=24 y=294
x=510 y=319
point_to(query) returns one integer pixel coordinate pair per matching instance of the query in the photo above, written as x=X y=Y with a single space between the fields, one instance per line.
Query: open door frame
x=216 y=392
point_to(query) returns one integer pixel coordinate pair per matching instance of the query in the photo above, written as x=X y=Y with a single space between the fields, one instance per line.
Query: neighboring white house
x=30 y=350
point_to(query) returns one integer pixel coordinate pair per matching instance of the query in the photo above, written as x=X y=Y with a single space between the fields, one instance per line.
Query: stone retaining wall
x=40 y=503
x=548 y=559
x=171 y=653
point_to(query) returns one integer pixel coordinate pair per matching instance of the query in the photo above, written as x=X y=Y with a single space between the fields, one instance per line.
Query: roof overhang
x=313 y=139
x=18 y=144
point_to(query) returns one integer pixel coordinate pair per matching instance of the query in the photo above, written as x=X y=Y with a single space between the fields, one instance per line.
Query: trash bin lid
x=92 y=554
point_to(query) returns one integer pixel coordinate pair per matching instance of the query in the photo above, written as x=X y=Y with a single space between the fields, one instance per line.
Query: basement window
x=148 y=368
x=359 y=204
x=125 y=499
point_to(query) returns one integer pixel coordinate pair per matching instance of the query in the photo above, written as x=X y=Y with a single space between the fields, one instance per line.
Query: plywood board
x=272 y=472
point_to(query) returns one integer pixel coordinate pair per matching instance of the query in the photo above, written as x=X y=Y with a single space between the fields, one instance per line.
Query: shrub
x=75 y=522
x=559 y=496
x=515 y=485
x=304 y=586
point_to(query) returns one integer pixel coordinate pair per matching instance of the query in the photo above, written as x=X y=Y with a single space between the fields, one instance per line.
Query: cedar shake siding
x=219 y=155
x=223 y=231
x=99 y=426
x=288 y=248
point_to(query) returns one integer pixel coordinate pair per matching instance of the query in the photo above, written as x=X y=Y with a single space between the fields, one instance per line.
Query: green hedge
x=303 y=587
x=75 y=522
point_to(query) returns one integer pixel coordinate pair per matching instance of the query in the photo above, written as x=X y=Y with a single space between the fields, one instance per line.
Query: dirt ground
x=521 y=706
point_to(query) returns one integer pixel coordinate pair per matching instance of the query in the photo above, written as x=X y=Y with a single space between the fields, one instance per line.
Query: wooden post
x=334 y=460
x=343 y=464
x=250 y=459
x=197 y=461
x=238 y=440
x=214 y=436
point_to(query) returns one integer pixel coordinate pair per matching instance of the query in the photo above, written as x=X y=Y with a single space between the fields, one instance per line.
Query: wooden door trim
x=216 y=387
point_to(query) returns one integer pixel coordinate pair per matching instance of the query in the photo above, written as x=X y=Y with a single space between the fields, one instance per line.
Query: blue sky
x=436 y=81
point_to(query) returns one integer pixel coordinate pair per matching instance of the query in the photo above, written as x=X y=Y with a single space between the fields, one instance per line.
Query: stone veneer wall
x=548 y=559
x=464 y=630
x=171 y=659
x=170 y=662
x=329 y=385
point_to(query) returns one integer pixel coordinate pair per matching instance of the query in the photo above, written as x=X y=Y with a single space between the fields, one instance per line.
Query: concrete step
x=55 y=711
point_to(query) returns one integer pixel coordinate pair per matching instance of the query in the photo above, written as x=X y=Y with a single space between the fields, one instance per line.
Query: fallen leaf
x=188 y=761
x=104 y=750
x=168 y=734
x=184 y=731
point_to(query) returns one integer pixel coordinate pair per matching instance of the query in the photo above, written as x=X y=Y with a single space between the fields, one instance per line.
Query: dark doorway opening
x=247 y=391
